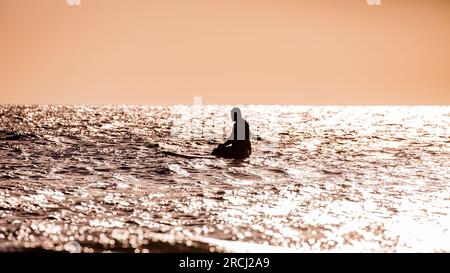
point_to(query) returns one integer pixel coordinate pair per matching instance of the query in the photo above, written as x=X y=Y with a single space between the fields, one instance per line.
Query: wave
x=18 y=135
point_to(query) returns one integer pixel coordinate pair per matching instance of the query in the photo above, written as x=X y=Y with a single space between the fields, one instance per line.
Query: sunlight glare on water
x=94 y=178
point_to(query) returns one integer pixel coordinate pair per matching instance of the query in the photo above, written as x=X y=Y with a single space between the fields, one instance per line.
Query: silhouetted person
x=239 y=139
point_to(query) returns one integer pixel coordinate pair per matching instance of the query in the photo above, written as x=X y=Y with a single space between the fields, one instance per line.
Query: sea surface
x=320 y=178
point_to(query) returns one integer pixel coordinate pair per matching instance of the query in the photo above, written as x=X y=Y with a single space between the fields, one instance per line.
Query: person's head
x=235 y=114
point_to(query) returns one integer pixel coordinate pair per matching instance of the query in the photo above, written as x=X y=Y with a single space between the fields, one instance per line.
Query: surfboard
x=188 y=155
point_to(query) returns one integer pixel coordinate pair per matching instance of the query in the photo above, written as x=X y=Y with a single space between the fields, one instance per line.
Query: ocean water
x=320 y=178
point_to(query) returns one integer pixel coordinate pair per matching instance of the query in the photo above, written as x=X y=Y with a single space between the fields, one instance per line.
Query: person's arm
x=229 y=140
x=226 y=143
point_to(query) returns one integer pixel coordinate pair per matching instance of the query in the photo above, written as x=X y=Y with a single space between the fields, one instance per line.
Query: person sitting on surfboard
x=239 y=139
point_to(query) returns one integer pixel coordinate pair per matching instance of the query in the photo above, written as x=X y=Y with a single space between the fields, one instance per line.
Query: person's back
x=242 y=145
x=239 y=139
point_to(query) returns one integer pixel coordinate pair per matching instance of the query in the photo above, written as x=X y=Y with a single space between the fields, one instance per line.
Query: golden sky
x=227 y=51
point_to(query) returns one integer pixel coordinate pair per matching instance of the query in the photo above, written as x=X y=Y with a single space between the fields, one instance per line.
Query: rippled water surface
x=81 y=178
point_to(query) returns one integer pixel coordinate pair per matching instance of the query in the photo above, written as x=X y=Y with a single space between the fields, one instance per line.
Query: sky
x=225 y=51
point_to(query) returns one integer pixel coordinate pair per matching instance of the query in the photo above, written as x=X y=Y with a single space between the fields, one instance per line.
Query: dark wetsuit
x=239 y=148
